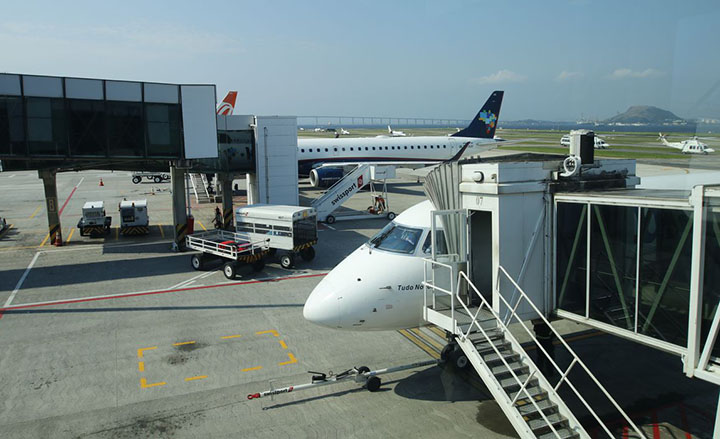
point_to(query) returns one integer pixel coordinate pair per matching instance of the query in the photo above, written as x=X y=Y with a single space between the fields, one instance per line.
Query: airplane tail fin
x=389 y=130
x=485 y=122
x=663 y=139
x=227 y=105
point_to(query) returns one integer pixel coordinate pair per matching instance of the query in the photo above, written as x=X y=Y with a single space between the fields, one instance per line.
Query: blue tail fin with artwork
x=485 y=122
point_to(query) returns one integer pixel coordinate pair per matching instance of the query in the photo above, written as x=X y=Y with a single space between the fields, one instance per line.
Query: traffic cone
x=58 y=241
x=101 y=183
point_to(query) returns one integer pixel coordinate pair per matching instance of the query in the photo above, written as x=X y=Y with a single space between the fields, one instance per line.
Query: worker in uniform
x=545 y=338
x=218 y=221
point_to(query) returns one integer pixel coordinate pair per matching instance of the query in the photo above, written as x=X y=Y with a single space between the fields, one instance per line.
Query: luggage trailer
x=239 y=248
x=291 y=231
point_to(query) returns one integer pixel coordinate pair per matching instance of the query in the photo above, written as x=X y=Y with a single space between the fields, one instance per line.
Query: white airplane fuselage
x=379 y=285
x=408 y=151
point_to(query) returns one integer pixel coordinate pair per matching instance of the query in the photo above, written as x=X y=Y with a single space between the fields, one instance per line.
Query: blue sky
x=556 y=60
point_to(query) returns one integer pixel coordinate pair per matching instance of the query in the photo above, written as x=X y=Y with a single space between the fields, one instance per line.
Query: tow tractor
x=291 y=231
x=134 y=219
x=94 y=222
x=237 y=247
x=361 y=375
x=157 y=177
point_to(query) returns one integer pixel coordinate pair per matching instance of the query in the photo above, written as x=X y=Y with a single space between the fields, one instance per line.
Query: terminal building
x=531 y=239
x=56 y=124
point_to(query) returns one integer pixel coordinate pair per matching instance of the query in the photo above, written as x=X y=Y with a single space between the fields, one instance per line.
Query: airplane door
x=449 y=246
x=480 y=265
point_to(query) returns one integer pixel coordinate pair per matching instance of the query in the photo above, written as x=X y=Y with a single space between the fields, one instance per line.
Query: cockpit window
x=440 y=238
x=396 y=238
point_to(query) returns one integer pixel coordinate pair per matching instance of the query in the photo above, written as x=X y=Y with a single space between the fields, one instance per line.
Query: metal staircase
x=528 y=399
x=201 y=192
x=340 y=192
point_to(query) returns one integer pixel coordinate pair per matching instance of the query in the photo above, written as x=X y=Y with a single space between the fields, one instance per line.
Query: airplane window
x=406 y=147
x=335 y=149
x=386 y=148
x=343 y=149
x=397 y=239
x=444 y=146
x=326 y=150
x=425 y=146
x=392 y=147
x=412 y=147
x=302 y=150
x=373 y=148
x=351 y=148
x=440 y=237
x=366 y=148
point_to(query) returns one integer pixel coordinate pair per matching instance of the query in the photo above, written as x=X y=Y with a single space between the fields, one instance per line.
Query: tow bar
x=363 y=375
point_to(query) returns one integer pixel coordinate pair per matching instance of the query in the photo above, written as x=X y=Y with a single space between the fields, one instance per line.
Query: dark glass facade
x=46 y=127
x=571 y=257
x=12 y=131
x=711 y=277
x=86 y=127
x=163 y=130
x=126 y=134
x=655 y=303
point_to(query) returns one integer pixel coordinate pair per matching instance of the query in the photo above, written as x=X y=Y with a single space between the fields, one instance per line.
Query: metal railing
x=225 y=244
x=503 y=325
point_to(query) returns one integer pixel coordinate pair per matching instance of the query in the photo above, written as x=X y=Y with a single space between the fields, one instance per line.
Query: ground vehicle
x=228 y=245
x=157 y=177
x=94 y=222
x=565 y=140
x=134 y=219
x=291 y=229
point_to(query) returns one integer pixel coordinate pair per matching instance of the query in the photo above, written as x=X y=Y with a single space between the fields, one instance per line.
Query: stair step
x=565 y=433
x=493 y=334
x=528 y=409
x=511 y=382
x=508 y=355
x=487 y=348
x=516 y=366
x=534 y=391
x=540 y=424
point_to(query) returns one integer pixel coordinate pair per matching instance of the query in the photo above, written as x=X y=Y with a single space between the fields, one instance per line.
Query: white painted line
x=80 y=182
x=329 y=226
x=20 y=282
x=11 y=176
x=183 y=283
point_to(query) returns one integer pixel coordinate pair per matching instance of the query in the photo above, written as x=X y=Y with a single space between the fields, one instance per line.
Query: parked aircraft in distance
x=393 y=133
x=325 y=160
x=691 y=146
x=344 y=132
x=227 y=105
x=379 y=285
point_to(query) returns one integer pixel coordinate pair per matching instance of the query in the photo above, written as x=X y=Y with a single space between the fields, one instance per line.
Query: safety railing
x=576 y=361
x=433 y=286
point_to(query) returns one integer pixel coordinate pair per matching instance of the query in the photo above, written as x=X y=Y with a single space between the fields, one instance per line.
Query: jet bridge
x=527 y=241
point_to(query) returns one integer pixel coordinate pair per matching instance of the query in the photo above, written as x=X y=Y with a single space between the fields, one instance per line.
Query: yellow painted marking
x=183 y=343
x=419 y=344
x=424 y=337
x=252 y=368
x=145 y=385
x=199 y=377
x=141 y=350
x=36 y=211
x=44 y=240
x=282 y=343
x=70 y=235
x=225 y=337
x=18 y=247
x=271 y=331
x=201 y=225
x=162 y=233
x=141 y=366
x=291 y=361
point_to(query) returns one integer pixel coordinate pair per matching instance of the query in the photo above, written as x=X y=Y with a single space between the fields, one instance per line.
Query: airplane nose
x=323 y=306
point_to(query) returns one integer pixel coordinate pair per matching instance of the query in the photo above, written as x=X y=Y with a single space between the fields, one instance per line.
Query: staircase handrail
x=576 y=358
x=204 y=182
x=330 y=189
x=192 y=183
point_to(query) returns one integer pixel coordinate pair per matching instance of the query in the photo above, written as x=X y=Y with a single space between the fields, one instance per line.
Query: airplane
x=227 y=105
x=378 y=287
x=692 y=146
x=394 y=133
x=324 y=160
x=344 y=132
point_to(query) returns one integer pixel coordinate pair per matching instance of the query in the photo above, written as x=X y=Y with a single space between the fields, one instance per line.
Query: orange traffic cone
x=101 y=183
x=58 y=241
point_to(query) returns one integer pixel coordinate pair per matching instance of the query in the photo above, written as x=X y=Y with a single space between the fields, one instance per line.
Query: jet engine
x=325 y=177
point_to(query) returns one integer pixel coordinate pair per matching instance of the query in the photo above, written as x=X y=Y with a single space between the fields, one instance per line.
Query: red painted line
x=626 y=432
x=66 y=201
x=655 y=426
x=148 y=293
x=684 y=420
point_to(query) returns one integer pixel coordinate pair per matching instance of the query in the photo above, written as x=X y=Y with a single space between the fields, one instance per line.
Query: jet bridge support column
x=225 y=181
x=179 y=207
x=51 y=204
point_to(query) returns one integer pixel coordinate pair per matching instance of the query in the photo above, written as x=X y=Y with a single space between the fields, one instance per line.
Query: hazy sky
x=556 y=60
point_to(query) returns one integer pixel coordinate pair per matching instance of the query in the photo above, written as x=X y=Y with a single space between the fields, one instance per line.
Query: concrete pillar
x=225 y=181
x=51 y=203
x=253 y=195
x=179 y=207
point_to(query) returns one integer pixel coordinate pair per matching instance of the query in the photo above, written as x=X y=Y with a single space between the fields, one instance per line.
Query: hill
x=645 y=114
